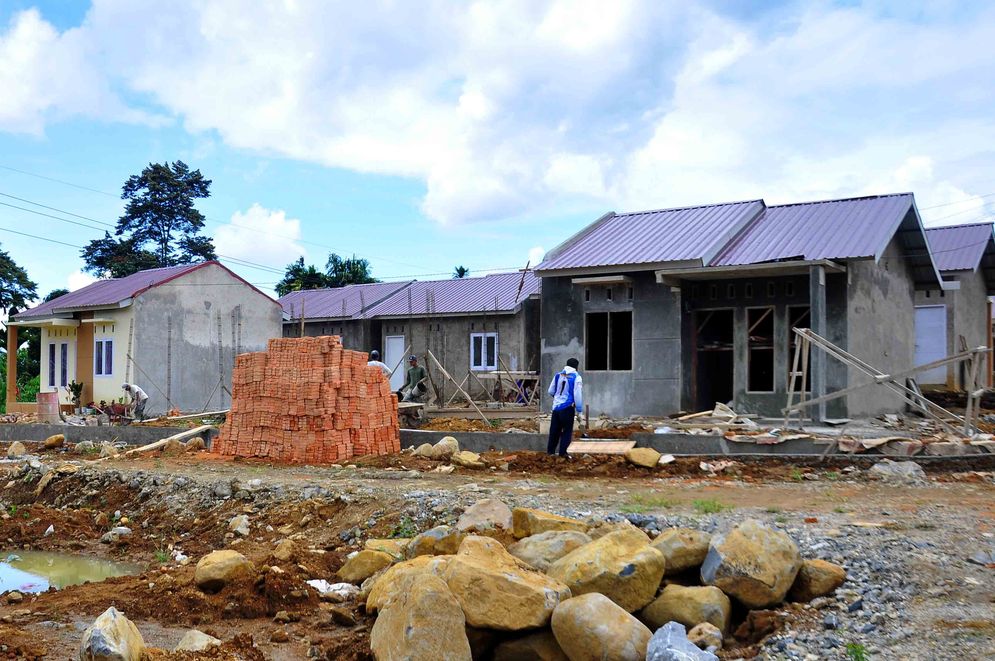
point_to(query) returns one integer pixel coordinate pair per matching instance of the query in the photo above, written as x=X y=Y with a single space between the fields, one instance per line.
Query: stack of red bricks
x=309 y=401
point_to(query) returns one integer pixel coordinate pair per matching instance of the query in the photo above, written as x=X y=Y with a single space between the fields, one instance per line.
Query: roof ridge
x=839 y=199
x=690 y=206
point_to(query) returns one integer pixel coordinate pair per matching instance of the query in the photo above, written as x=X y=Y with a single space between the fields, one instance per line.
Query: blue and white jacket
x=567 y=389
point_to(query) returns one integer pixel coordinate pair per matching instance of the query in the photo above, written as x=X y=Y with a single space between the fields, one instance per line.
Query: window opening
x=483 y=351
x=608 y=341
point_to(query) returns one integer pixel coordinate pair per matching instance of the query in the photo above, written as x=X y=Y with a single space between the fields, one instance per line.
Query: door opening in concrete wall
x=760 y=349
x=713 y=358
x=608 y=341
x=799 y=316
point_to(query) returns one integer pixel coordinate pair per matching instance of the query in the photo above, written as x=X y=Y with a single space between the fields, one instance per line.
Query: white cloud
x=509 y=107
x=262 y=236
x=536 y=254
x=78 y=280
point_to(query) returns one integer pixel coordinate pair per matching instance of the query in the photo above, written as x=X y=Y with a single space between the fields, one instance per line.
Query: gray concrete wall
x=448 y=338
x=653 y=385
x=880 y=326
x=176 y=348
x=132 y=435
x=355 y=333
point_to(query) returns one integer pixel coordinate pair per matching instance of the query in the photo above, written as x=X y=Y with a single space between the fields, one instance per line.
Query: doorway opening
x=713 y=358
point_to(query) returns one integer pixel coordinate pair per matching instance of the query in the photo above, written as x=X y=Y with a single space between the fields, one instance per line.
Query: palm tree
x=461 y=272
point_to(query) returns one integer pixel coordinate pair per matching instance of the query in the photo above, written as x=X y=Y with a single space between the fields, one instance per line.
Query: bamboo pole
x=446 y=374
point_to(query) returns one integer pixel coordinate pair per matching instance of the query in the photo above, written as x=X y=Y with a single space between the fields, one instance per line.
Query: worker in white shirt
x=138 y=400
x=375 y=362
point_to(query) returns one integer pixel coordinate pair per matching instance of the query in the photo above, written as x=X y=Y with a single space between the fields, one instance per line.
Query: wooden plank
x=183 y=435
x=600 y=447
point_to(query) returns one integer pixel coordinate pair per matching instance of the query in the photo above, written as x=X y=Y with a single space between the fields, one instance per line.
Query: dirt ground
x=185 y=502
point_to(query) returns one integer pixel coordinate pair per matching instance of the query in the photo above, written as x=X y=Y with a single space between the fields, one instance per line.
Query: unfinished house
x=678 y=309
x=173 y=331
x=471 y=325
x=959 y=315
x=339 y=311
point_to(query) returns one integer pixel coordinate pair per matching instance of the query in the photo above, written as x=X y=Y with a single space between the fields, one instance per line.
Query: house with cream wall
x=173 y=331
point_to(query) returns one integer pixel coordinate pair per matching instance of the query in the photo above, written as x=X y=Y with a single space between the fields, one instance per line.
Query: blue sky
x=428 y=135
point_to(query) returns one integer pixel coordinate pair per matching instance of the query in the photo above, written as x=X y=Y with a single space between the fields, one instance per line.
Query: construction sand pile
x=308 y=400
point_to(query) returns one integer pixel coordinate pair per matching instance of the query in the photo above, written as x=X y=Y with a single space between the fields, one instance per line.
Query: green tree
x=351 y=271
x=16 y=290
x=160 y=226
x=299 y=277
x=461 y=272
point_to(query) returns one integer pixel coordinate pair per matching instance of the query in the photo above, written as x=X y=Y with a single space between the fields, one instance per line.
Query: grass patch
x=856 y=652
x=796 y=475
x=710 y=506
x=840 y=510
x=404 y=528
x=780 y=518
x=641 y=503
x=832 y=476
x=162 y=556
x=773 y=510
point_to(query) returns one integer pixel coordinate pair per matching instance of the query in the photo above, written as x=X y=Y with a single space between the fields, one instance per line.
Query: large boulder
x=54 y=441
x=440 y=540
x=425 y=450
x=592 y=627
x=398 y=578
x=752 y=563
x=544 y=549
x=496 y=591
x=529 y=522
x=538 y=646
x=364 y=564
x=219 y=568
x=690 y=606
x=670 y=643
x=488 y=517
x=621 y=565
x=111 y=637
x=683 y=548
x=196 y=641
x=816 y=578
x=422 y=623
x=645 y=457
x=16 y=450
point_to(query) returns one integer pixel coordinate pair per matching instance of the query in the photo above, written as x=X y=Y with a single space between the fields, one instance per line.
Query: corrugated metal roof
x=491 y=293
x=340 y=302
x=653 y=237
x=834 y=229
x=109 y=292
x=959 y=247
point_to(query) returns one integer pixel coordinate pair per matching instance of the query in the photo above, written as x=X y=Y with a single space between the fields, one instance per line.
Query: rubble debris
x=196 y=641
x=307 y=400
x=898 y=471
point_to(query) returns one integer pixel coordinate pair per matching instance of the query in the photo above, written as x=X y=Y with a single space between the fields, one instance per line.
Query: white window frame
x=103 y=357
x=484 y=367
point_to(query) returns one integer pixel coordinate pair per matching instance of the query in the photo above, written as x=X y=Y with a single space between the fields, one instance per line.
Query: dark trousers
x=561 y=429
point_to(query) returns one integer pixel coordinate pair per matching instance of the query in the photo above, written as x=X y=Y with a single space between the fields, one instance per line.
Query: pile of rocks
x=525 y=583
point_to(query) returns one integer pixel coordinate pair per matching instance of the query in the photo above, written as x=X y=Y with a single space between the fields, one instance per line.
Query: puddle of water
x=36 y=571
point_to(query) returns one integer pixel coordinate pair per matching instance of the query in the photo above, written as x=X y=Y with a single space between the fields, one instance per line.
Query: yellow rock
x=621 y=565
x=816 y=578
x=394 y=547
x=593 y=628
x=54 y=441
x=440 y=540
x=468 y=459
x=397 y=578
x=364 y=564
x=285 y=551
x=112 y=637
x=683 y=548
x=752 y=563
x=542 y=550
x=528 y=522
x=497 y=591
x=218 y=568
x=423 y=623
x=645 y=457
x=690 y=606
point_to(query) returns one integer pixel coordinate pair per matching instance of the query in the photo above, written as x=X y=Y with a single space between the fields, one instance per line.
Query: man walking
x=568 y=401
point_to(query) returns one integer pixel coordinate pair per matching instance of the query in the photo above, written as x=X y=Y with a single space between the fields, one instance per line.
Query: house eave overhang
x=673 y=276
x=46 y=322
x=613 y=269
